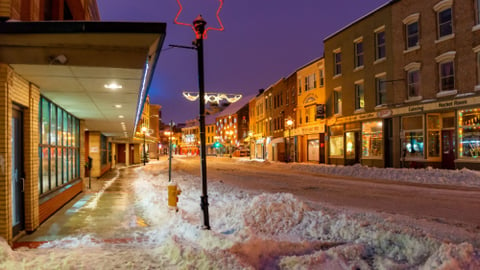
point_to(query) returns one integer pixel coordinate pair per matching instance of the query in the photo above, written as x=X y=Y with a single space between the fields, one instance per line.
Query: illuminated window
x=469 y=133
x=433 y=136
x=336 y=141
x=413 y=142
x=59 y=151
x=372 y=139
x=337 y=101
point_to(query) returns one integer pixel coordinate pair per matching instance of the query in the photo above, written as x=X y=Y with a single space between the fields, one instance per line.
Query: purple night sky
x=263 y=41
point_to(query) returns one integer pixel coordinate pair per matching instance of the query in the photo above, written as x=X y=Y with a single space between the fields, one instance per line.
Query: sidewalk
x=109 y=201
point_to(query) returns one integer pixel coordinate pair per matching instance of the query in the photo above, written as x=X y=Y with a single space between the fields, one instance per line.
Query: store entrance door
x=448 y=149
x=18 y=175
x=121 y=154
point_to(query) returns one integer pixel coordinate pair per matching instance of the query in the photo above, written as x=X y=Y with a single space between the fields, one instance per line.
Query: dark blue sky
x=263 y=41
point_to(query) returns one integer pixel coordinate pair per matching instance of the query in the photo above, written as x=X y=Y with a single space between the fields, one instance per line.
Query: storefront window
x=433 y=139
x=413 y=142
x=372 y=139
x=469 y=133
x=313 y=150
x=57 y=147
x=336 y=141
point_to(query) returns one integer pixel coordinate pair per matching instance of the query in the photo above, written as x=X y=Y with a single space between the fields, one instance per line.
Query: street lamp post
x=250 y=135
x=144 y=131
x=170 y=152
x=289 y=126
x=199 y=25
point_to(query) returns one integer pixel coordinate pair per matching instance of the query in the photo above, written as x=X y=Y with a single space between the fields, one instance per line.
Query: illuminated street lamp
x=289 y=125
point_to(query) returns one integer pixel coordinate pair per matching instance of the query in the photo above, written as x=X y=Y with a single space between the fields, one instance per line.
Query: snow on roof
x=235 y=107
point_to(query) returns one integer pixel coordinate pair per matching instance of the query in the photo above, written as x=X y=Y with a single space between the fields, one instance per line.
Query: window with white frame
x=337 y=58
x=337 y=100
x=476 y=50
x=380 y=44
x=447 y=76
x=446 y=71
x=412 y=31
x=477 y=11
x=359 y=95
x=413 y=80
x=358 y=47
x=444 y=15
x=381 y=89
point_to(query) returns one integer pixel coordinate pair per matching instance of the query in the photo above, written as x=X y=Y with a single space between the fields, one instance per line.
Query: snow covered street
x=262 y=230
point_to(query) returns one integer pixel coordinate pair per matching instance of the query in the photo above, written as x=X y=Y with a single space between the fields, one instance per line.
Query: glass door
x=18 y=178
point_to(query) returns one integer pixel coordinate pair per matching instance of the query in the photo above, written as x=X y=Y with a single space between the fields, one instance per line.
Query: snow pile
x=463 y=177
x=265 y=231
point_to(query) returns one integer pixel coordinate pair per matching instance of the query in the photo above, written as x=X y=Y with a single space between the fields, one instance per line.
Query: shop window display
x=372 y=139
x=413 y=142
x=469 y=133
x=336 y=141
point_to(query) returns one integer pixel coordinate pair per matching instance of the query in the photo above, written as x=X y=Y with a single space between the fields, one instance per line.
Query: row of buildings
x=398 y=87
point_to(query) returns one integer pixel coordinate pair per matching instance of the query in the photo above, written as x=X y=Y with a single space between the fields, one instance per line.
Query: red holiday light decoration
x=191 y=25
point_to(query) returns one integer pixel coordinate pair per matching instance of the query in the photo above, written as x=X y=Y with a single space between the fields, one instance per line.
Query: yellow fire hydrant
x=173 y=192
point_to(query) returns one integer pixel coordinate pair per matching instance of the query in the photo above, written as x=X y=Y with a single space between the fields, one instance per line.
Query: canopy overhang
x=73 y=62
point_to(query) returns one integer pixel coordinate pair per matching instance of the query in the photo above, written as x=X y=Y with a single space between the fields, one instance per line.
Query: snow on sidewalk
x=266 y=231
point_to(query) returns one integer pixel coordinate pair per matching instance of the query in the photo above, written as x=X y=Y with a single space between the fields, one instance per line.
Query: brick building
x=54 y=89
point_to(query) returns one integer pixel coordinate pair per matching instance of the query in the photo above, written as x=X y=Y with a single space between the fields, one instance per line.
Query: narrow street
x=449 y=205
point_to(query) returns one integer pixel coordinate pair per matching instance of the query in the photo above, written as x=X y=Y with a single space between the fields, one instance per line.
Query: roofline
x=65 y=27
x=309 y=63
x=359 y=19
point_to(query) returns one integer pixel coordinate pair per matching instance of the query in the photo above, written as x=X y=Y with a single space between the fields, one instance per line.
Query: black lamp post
x=144 y=131
x=199 y=25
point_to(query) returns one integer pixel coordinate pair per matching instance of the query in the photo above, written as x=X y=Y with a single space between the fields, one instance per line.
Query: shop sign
x=453 y=104
x=94 y=149
x=384 y=113
x=358 y=117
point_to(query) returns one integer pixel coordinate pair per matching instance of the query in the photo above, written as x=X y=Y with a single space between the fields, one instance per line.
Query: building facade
x=359 y=63
x=49 y=125
x=310 y=112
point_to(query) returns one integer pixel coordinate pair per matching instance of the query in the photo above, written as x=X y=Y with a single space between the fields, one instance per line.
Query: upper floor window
x=381 y=89
x=358 y=46
x=443 y=11
x=413 y=80
x=412 y=31
x=445 y=22
x=337 y=58
x=476 y=50
x=446 y=71
x=477 y=11
x=299 y=86
x=380 y=44
x=359 y=95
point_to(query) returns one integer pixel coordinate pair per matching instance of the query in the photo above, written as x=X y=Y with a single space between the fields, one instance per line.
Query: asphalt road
x=457 y=206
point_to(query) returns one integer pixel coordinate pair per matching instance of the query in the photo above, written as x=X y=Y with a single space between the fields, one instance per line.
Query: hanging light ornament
x=213 y=97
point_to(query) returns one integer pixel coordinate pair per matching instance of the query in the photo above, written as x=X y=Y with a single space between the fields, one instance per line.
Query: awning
x=72 y=62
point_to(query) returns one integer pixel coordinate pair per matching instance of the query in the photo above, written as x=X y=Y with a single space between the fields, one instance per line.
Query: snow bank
x=265 y=231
